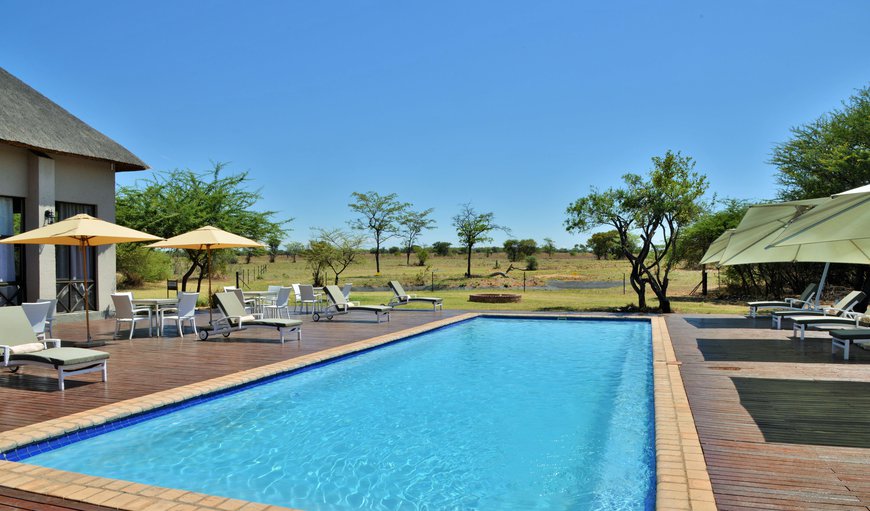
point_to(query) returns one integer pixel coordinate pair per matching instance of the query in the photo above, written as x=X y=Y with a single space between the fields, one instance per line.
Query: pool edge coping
x=682 y=481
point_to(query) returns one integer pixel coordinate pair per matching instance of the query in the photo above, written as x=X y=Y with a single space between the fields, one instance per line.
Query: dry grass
x=449 y=282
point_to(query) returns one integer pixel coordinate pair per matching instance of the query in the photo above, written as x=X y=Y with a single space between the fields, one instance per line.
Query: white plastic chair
x=280 y=308
x=186 y=311
x=125 y=313
x=37 y=314
x=49 y=320
x=297 y=298
x=307 y=297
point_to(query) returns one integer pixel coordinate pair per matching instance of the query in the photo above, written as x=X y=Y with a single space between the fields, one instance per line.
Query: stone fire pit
x=495 y=298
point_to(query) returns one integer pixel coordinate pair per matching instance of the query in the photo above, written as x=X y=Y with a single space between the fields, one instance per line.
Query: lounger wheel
x=14 y=369
x=203 y=335
x=315 y=317
x=329 y=317
x=226 y=334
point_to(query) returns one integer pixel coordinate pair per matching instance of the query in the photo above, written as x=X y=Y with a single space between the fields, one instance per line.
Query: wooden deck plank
x=783 y=423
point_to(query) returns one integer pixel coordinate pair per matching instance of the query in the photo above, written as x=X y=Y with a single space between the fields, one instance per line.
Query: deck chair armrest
x=56 y=342
x=6 y=352
x=796 y=302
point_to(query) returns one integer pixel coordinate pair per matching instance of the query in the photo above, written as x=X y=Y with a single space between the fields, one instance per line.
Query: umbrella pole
x=208 y=264
x=84 y=250
x=822 y=284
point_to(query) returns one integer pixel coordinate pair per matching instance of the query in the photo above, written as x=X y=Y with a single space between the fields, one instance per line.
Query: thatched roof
x=29 y=119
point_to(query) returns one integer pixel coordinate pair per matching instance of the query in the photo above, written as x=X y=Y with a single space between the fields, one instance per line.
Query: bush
x=422 y=255
x=531 y=263
x=138 y=264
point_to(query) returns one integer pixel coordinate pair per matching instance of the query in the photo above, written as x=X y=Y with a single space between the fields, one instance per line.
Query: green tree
x=657 y=207
x=697 y=237
x=828 y=155
x=171 y=203
x=605 y=244
x=338 y=249
x=274 y=244
x=472 y=228
x=293 y=249
x=380 y=214
x=549 y=247
x=526 y=248
x=316 y=259
x=441 y=248
x=511 y=249
x=411 y=224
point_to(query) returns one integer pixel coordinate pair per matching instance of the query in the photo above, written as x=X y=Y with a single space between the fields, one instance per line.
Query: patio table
x=156 y=304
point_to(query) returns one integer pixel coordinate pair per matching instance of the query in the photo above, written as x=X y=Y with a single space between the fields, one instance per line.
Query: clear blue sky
x=516 y=107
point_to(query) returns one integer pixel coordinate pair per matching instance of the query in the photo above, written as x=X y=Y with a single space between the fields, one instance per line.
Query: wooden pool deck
x=784 y=424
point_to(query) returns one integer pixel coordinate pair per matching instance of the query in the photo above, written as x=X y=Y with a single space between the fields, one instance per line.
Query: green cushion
x=275 y=322
x=62 y=356
x=853 y=334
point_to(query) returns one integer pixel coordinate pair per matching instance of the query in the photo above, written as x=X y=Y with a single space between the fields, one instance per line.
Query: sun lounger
x=338 y=305
x=838 y=309
x=846 y=320
x=20 y=347
x=844 y=338
x=804 y=302
x=403 y=298
x=236 y=318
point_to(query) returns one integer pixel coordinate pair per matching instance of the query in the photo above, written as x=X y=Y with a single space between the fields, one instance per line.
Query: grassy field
x=449 y=282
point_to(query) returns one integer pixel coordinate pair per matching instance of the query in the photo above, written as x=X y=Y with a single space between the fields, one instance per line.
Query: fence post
x=623 y=283
x=237 y=280
x=704 y=282
x=524 y=282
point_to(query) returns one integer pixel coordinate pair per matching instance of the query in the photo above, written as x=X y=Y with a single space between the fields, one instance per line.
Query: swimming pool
x=487 y=414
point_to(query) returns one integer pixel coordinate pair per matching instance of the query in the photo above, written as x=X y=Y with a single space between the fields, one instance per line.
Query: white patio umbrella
x=752 y=241
x=207 y=238
x=717 y=248
x=83 y=231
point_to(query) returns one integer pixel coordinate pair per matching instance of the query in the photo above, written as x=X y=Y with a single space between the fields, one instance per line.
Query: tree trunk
x=194 y=256
x=408 y=256
x=377 y=258
x=294 y=258
x=468 y=271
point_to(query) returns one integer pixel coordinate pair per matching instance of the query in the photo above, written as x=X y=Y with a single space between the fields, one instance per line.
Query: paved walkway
x=783 y=424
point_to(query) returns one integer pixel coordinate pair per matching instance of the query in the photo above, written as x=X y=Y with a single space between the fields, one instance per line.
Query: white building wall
x=42 y=180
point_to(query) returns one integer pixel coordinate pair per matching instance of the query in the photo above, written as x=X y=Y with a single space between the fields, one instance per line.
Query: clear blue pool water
x=487 y=414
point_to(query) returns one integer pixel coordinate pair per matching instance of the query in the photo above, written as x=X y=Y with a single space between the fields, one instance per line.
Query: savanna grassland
x=604 y=278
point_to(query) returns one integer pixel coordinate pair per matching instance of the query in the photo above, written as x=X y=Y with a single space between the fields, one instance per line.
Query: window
x=71 y=286
x=11 y=256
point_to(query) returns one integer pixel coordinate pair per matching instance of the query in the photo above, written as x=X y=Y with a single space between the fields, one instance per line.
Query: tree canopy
x=828 y=155
x=657 y=208
x=379 y=215
x=177 y=201
x=410 y=225
x=473 y=228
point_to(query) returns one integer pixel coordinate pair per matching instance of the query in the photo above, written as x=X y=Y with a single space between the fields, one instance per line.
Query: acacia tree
x=411 y=224
x=657 y=207
x=828 y=155
x=379 y=216
x=549 y=247
x=177 y=201
x=339 y=249
x=473 y=228
x=293 y=249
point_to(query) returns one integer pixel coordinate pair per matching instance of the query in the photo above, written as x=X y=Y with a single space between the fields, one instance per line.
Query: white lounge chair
x=838 y=309
x=401 y=297
x=804 y=302
x=20 y=347
x=338 y=305
x=235 y=318
x=846 y=337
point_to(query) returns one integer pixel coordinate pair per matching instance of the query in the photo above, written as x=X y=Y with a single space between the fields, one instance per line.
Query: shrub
x=138 y=264
x=422 y=255
x=531 y=263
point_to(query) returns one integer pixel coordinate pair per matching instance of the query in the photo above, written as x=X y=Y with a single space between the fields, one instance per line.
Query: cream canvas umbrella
x=207 y=238
x=843 y=218
x=83 y=231
x=753 y=240
x=717 y=248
